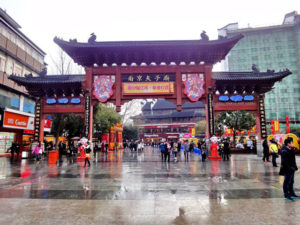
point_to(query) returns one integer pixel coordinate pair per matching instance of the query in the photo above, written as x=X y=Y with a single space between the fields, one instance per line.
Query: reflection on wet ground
x=137 y=188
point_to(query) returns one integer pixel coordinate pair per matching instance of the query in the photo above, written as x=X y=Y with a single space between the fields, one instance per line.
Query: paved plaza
x=137 y=188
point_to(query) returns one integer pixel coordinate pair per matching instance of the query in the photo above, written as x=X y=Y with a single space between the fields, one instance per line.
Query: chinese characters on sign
x=262 y=117
x=87 y=115
x=37 y=121
x=148 y=88
x=155 y=84
x=152 y=77
x=211 y=122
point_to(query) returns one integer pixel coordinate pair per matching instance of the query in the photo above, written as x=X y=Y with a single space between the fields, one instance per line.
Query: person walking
x=87 y=151
x=15 y=148
x=175 y=150
x=186 y=151
x=162 y=150
x=266 y=150
x=37 y=150
x=287 y=169
x=178 y=146
x=274 y=152
x=226 y=150
x=60 y=150
x=167 y=151
x=192 y=145
x=203 y=151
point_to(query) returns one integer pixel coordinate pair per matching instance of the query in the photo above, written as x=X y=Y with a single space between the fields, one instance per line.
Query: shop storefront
x=14 y=125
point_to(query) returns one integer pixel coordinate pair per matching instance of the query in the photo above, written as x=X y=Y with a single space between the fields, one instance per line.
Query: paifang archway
x=178 y=71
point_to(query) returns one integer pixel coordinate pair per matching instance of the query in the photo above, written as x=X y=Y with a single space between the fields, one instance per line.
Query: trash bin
x=52 y=156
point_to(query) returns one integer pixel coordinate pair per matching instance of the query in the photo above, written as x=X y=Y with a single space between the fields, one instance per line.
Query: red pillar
x=178 y=90
x=118 y=90
x=209 y=84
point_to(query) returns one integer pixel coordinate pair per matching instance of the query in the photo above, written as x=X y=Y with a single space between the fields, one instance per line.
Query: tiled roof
x=49 y=79
x=119 y=52
x=250 y=76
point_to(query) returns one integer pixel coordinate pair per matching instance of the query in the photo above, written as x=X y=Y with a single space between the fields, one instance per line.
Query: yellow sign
x=193 y=132
x=154 y=88
x=276 y=126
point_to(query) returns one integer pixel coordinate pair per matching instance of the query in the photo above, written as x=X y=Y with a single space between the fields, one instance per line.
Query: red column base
x=214 y=157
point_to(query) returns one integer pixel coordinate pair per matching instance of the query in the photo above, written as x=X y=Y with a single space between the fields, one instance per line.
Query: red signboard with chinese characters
x=148 y=84
x=17 y=121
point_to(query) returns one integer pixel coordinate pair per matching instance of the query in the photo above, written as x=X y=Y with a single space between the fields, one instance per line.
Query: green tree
x=295 y=130
x=105 y=118
x=69 y=125
x=236 y=120
x=130 y=132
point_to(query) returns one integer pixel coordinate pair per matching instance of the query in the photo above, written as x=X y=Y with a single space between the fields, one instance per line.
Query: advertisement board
x=148 y=84
x=17 y=121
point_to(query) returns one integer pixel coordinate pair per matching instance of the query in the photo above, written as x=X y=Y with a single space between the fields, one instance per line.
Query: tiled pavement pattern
x=137 y=188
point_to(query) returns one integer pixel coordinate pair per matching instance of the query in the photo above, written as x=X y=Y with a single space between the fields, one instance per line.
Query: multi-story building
x=160 y=120
x=275 y=48
x=20 y=56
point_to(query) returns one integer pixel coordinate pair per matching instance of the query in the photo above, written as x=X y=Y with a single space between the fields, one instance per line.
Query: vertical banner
x=87 y=115
x=37 y=121
x=211 y=118
x=262 y=117
x=276 y=126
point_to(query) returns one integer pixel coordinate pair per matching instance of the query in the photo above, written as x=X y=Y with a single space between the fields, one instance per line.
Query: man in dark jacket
x=266 y=150
x=226 y=150
x=287 y=169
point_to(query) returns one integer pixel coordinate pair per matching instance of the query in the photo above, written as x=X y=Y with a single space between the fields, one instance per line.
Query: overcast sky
x=122 y=20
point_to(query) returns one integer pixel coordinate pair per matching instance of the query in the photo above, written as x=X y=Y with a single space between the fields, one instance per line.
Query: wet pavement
x=137 y=188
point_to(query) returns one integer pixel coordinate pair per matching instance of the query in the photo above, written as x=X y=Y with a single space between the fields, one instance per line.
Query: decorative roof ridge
x=73 y=42
x=251 y=75
x=48 y=78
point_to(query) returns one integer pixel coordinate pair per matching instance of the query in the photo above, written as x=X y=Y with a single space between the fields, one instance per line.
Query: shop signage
x=63 y=100
x=87 y=115
x=47 y=125
x=236 y=98
x=17 y=121
x=151 y=135
x=148 y=84
x=262 y=117
x=37 y=121
x=211 y=122
x=157 y=88
x=75 y=100
x=50 y=101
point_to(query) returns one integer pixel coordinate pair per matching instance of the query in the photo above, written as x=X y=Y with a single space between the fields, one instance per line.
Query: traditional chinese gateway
x=178 y=71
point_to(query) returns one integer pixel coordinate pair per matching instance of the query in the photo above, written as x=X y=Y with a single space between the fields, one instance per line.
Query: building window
x=15 y=103
x=17 y=70
x=28 y=107
x=2 y=64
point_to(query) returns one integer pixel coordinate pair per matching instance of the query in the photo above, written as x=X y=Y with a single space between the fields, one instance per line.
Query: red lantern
x=287 y=118
x=272 y=122
x=272 y=127
x=273 y=132
x=288 y=130
x=287 y=124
